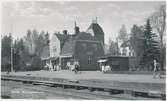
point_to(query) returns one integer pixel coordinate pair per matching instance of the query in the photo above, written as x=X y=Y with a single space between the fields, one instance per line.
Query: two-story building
x=84 y=47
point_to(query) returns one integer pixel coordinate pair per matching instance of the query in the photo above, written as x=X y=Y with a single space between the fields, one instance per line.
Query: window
x=89 y=60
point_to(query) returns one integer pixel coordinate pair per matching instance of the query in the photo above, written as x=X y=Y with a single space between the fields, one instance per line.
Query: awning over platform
x=65 y=56
x=47 y=58
x=54 y=58
x=102 y=60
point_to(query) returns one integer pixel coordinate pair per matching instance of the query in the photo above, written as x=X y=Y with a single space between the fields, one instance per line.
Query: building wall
x=100 y=37
x=87 y=53
x=117 y=63
x=121 y=63
x=54 y=46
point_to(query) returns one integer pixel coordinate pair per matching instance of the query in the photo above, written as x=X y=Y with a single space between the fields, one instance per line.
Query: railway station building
x=87 y=48
x=84 y=47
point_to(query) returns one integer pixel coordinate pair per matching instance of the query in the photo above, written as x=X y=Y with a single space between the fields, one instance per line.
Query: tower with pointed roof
x=96 y=30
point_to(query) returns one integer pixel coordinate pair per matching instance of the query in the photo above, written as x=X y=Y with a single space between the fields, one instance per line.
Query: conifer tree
x=150 y=46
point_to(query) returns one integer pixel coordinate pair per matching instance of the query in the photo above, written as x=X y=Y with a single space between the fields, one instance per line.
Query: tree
x=35 y=40
x=29 y=43
x=6 y=53
x=158 y=22
x=113 y=50
x=123 y=37
x=123 y=34
x=34 y=43
x=150 y=46
x=40 y=43
x=19 y=55
x=16 y=56
x=136 y=40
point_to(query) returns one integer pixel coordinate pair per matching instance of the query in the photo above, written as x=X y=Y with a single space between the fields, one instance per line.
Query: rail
x=79 y=86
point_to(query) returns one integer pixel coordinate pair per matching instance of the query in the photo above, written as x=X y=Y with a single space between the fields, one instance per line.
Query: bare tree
x=158 y=22
x=113 y=49
x=123 y=36
x=123 y=33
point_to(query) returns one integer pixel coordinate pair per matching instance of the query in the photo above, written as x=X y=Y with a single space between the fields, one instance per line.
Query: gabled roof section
x=62 y=38
x=95 y=29
x=69 y=46
x=84 y=36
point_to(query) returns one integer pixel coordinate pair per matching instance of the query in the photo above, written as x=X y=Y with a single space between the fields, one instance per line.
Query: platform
x=90 y=75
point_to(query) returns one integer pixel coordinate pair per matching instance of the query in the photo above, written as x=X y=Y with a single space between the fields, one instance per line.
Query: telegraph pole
x=11 y=48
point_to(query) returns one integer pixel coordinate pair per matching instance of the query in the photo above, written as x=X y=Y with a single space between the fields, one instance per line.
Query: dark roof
x=62 y=38
x=96 y=28
x=69 y=46
x=84 y=36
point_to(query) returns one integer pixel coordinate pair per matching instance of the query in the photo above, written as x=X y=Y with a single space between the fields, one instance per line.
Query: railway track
x=68 y=92
x=79 y=91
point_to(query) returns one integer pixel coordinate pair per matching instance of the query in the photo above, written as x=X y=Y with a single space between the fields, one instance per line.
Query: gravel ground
x=88 y=75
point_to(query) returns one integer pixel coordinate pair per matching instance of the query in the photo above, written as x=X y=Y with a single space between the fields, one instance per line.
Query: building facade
x=84 y=47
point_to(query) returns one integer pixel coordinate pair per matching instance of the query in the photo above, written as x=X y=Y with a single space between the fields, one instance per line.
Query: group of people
x=52 y=67
x=73 y=67
x=105 y=68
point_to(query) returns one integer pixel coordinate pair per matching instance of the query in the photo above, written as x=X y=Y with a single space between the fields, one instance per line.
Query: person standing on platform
x=156 y=69
x=76 y=65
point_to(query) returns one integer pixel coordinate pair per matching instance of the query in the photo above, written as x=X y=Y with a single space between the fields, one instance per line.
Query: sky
x=55 y=16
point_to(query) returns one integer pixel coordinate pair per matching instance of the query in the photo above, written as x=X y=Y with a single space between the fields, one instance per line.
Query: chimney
x=76 y=29
x=65 y=32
